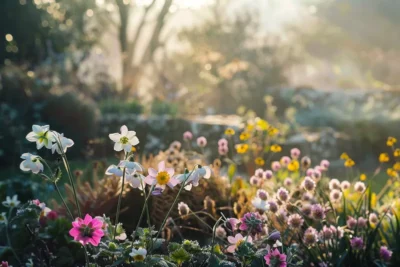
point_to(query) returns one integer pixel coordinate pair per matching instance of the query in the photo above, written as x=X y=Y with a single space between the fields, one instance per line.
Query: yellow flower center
x=124 y=140
x=239 y=242
x=138 y=257
x=163 y=178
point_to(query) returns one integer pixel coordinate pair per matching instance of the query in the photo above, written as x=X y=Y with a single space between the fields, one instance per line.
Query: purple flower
x=385 y=253
x=357 y=243
x=317 y=212
x=268 y=174
x=275 y=259
x=351 y=222
x=251 y=222
x=275 y=235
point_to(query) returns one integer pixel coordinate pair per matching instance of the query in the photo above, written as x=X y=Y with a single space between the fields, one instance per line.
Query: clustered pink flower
x=251 y=222
x=87 y=230
x=324 y=164
x=283 y=194
x=275 y=166
x=285 y=160
x=269 y=174
x=223 y=147
x=295 y=153
x=308 y=184
x=385 y=253
x=262 y=194
x=201 y=141
x=273 y=206
x=187 y=136
x=295 y=221
x=357 y=243
x=351 y=222
x=275 y=259
x=259 y=173
x=317 y=212
x=310 y=236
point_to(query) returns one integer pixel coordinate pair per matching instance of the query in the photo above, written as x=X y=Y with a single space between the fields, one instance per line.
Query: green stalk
x=71 y=180
x=119 y=202
x=65 y=204
x=8 y=237
x=173 y=205
x=86 y=256
x=142 y=213
x=201 y=220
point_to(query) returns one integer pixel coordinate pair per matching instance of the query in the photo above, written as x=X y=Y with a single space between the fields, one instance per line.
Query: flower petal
x=115 y=137
x=124 y=130
x=161 y=166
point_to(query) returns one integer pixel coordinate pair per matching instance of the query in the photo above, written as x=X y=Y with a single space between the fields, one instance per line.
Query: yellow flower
x=396 y=152
x=344 y=156
x=293 y=166
x=373 y=200
x=250 y=127
x=276 y=148
x=391 y=194
x=133 y=149
x=242 y=148
x=262 y=124
x=244 y=136
x=273 y=131
x=383 y=157
x=391 y=172
x=349 y=163
x=259 y=161
x=229 y=131
x=391 y=141
x=396 y=166
x=363 y=177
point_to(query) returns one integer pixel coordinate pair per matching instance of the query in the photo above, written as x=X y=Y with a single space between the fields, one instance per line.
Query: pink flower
x=201 y=141
x=285 y=160
x=232 y=223
x=4 y=264
x=295 y=153
x=187 y=136
x=275 y=166
x=324 y=164
x=88 y=230
x=222 y=142
x=385 y=253
x=52 y=215
x=275 y=258
x=236 y=241
x=223 y=150
x=162 y=177
x=357 y=243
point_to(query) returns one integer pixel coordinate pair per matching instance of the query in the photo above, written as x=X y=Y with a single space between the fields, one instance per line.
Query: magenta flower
x=385 y=253
x=251 y=222
x=275 y=259
x=162 y=177
x=88 y=230
x=357 y=243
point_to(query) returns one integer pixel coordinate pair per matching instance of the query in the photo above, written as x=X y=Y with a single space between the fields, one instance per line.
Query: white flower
x=125 y=140
x=138 y=254
x=31 y=163
x=11 y=202
x=194 y=178
x=3 y=218
x=61 y=143
x=260 y=204
x=277 y=244
x=41 y=135
x=135 y=179
x=131 y=165
x=114 y=170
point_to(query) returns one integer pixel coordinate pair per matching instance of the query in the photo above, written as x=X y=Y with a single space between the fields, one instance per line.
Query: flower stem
x=201 y=220
x=65 y=204
x=8 y=237
x=86 y=256
x=172 y=206
x=142 y=213
x=71 y=180
x=119 y=202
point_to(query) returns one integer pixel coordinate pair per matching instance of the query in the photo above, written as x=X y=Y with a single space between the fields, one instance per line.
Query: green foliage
x=159 y=107
x=121 y=107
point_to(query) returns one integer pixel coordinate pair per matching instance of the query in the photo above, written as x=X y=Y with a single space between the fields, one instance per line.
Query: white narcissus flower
x=41 y=135
x=61 y=143
x=124 y=140
x=11 y=202
x=194 y=178
x=138 y=254
x=31 y=163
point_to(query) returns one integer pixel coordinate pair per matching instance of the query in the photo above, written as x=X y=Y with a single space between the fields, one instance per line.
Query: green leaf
x=180 y=255
x=57 y=175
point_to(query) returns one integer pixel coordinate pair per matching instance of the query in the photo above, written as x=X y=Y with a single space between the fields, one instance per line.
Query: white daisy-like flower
x=31 y=163
x=41 y=135
x=11 y=202
x=124 y=140
x=164 y=176
x=134 y=178
x=61 y=143
x=138 y=254
x=260 y=204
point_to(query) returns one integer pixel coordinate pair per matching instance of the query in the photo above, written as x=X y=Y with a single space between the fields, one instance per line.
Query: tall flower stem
x=142 y=213
x=173 y=205
x=8 y=237
x=71 y=180
x=86 y=256
x=63 y=201
x=119 y=202
x=201 y=220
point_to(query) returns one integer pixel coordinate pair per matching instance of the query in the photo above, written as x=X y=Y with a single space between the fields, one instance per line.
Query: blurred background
x=325 y=71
